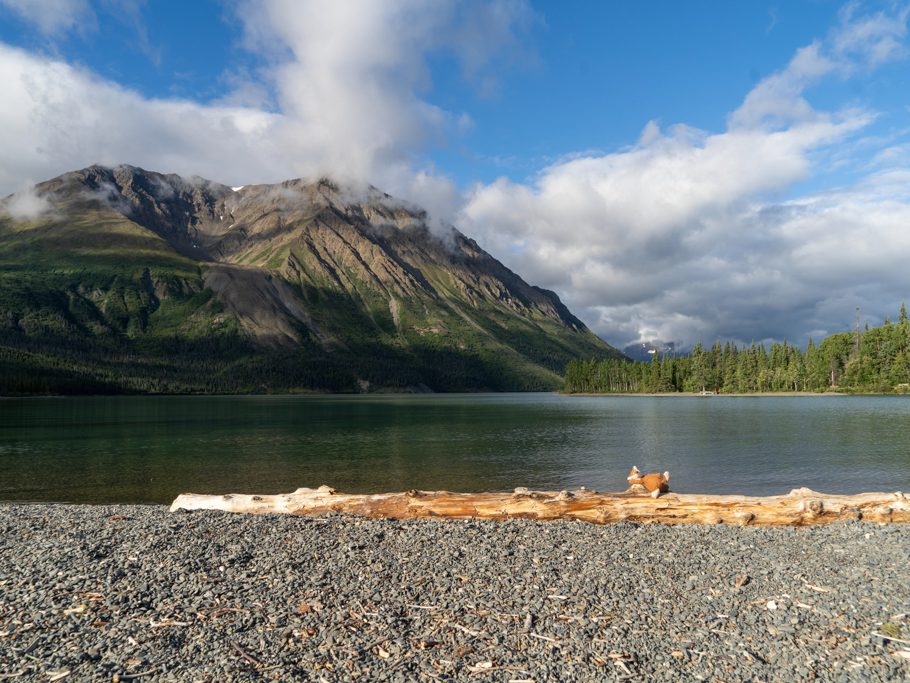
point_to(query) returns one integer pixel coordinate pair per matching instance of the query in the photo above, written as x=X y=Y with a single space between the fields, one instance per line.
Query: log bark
x=801 y=507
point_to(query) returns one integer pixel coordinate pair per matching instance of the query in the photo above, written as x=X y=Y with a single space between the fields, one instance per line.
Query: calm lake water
x=149 y=449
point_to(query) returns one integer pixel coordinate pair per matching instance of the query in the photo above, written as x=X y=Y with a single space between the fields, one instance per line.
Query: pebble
x=139 y=593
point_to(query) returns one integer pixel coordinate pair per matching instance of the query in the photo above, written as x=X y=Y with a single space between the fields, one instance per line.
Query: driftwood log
x=800 y=507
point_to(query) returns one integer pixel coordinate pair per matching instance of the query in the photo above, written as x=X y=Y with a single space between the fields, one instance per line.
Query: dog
x=654 y=483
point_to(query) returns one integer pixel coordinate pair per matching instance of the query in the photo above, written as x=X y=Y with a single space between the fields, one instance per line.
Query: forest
x=874 y=360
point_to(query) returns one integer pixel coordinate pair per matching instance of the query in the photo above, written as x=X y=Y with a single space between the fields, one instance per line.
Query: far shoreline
x=329 y=394
x=753 y=394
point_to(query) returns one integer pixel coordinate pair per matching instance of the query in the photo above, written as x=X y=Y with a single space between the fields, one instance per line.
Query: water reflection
x=149 y=449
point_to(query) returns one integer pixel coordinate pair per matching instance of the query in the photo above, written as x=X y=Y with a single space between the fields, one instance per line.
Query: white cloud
x=856 y=44
x=348 y=80
x=52 y=17
x=56 y=117
x=25 y=205
x=650 y=204
x=865 y=42
x=685 y=235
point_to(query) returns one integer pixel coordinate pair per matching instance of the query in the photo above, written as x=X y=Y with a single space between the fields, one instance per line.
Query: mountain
x=646 y=350
x=120 y=279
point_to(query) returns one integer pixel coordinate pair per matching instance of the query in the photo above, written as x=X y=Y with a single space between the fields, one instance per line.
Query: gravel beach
x=124 y=593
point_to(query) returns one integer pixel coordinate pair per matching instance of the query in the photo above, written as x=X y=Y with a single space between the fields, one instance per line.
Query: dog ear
x=666 y=476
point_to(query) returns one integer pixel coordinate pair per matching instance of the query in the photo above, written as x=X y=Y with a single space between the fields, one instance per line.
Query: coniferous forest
x=876 y=360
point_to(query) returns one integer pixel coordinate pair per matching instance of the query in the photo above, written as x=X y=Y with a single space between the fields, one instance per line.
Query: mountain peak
x=321 y=267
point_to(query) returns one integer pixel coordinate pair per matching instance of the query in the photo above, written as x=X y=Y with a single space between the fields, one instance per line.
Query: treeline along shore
x=876 y=360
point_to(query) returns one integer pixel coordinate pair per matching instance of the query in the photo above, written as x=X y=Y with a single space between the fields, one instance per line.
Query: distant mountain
x=645 y=351
x=120 y=279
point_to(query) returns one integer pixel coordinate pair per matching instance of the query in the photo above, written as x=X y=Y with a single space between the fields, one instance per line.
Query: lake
x=149 y=449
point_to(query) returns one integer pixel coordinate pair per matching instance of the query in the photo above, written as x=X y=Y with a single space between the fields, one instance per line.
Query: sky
x=675 y=171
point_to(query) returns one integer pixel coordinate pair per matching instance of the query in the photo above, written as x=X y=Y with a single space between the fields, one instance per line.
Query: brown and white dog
x=654 y=483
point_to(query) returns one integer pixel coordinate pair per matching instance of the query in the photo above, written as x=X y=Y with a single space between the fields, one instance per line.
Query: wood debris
x=801 y=507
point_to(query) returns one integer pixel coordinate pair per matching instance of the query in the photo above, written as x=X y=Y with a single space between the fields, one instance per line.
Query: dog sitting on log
x=654 y=483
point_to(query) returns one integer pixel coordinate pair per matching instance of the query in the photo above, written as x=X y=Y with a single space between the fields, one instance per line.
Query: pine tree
x=668 y=374
x=654 y=374
x=697 y=379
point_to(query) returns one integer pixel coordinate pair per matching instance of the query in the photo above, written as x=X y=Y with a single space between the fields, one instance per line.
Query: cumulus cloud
x=25 y=205
x=57 y=117
x=857 y=44
x=686 y=236
x=349 y=82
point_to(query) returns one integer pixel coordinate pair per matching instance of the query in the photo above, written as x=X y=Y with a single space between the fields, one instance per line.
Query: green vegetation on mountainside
x=103 y=332
x=92 y=302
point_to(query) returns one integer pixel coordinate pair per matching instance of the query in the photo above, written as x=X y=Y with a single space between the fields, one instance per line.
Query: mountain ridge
x=133 y=261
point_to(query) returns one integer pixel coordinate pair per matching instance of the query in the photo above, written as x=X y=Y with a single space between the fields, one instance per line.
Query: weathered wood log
x=800 y=507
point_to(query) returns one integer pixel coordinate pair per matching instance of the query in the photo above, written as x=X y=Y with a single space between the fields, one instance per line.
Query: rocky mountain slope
x=124 y=279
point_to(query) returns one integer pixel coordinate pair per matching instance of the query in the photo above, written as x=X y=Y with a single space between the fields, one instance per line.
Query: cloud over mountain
x=347 y=80
x=688 y=233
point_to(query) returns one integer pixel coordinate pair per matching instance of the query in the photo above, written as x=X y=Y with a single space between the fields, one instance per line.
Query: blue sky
x=674 y=170
x=606 y=68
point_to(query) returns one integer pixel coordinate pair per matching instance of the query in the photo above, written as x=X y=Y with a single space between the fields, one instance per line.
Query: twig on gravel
x=891 y=638
x=221 y=611
x=141 y=674
x=167 y=622
x=540 y=637
x=754 y=656
x=819 y=589
x=367 y=648
x=401 y=660
x=465 y=629
x=246 y=655
x=58 y=675
x=569 y=617
x=481 y=667
x=622 y=665
x=4 y=675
